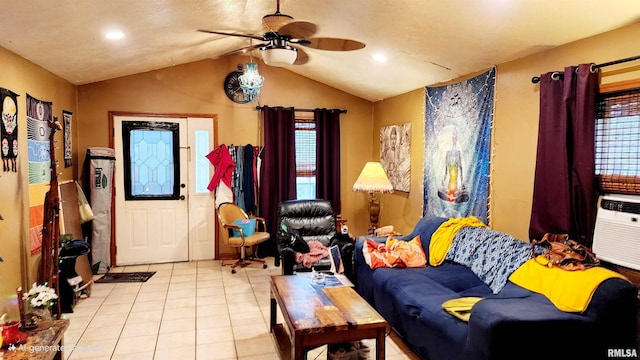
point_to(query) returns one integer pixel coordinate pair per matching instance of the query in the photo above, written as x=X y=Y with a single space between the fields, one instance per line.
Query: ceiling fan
x=284 y=38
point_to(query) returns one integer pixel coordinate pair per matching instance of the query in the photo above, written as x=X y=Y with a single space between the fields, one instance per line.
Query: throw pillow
x=410 y=252
x=394 y=253
x=378 y=256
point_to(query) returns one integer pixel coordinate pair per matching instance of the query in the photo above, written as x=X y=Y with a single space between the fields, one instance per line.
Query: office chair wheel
x=233 y=271
x=264 y=266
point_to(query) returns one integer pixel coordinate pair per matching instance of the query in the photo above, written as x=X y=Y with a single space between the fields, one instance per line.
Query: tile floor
x=191 y=310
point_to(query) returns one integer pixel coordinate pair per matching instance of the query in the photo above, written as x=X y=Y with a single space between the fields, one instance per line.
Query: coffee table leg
x=273 y=312
x=380 y=343
x=299 y=353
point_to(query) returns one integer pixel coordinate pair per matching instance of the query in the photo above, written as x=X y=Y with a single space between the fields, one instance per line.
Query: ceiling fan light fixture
x=279 y=55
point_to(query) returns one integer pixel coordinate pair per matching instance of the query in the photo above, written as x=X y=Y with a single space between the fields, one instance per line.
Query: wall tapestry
x=458 y=120
x=66 y=122
x=9 y=130
x=38 y=114
x=395 y=155
x=36 y=216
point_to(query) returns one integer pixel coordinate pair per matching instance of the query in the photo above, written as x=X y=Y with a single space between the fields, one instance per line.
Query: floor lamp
x=373 y=180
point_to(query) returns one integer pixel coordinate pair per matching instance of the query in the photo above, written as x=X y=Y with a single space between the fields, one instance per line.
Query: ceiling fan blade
x=298 y=29
x=243 y=50
x=332 y=44
x=231 y=34
x=302 y=57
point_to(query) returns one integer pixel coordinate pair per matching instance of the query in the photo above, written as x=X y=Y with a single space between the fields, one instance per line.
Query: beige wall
x=196 y=88
x=517 y=111
x=16 y=195
x=515 y=128
x=403 y=209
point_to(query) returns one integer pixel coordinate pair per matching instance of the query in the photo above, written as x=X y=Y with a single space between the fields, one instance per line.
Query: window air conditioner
x=616 y=237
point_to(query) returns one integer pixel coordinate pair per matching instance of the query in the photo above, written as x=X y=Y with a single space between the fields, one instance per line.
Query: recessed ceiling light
x=112 y=35
x=380 y=58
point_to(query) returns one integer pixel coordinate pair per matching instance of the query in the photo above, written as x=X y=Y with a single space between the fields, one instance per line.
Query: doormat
x=126 y=277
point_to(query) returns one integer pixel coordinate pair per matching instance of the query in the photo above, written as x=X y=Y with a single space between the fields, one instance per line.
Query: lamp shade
x=373 y=179
x=278 y=56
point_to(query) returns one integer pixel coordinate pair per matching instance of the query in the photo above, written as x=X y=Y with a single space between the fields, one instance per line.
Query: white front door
x=160 y=205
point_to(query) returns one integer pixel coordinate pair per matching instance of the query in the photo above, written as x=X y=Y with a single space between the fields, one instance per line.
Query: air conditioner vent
x=616 y=236
x=624 y=206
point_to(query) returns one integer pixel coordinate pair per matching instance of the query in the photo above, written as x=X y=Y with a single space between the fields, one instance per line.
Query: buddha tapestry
x=458 y=121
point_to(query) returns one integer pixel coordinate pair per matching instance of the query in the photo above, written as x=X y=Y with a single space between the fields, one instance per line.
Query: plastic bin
x=248 y=227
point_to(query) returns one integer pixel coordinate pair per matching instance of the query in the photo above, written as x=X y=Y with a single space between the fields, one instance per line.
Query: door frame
x=113 y=114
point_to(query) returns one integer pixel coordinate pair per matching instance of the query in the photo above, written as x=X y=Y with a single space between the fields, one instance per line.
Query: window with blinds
x=618 y=142
x=305 y=143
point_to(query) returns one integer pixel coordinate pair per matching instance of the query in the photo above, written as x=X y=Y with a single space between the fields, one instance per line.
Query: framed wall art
x=395 y=155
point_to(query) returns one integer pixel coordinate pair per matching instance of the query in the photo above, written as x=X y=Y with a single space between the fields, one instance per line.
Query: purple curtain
x=564 y=197
x=328 y=156
x=278 y=170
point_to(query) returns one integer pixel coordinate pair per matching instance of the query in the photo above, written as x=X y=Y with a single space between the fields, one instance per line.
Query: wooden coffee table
x=315 y=315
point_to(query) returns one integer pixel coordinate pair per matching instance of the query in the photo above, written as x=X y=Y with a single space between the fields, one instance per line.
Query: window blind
x=305 y=134
x=618 y=142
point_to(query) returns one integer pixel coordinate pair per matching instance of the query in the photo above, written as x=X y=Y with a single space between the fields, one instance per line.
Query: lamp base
x=374 y=212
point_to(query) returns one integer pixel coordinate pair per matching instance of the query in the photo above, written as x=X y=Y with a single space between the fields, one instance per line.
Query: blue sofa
x=512 y=324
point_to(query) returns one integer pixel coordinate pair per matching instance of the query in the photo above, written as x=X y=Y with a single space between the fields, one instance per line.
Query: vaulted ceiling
x=425 y=41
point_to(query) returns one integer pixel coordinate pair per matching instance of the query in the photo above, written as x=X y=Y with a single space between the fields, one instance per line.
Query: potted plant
x=40 y=298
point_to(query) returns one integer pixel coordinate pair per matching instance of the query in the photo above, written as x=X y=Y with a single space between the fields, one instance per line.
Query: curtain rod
x=303 y=110
x=536 y=79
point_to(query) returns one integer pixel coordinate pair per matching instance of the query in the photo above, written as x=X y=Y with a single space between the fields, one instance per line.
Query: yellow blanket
x=569 y=291
x=443 y=237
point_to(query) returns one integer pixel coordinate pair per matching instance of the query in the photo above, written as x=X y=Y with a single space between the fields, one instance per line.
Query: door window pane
x=202 y=164
x=151 y=160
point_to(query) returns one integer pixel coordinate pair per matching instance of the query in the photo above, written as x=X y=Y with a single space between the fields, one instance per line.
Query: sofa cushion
x=411 y=301
x=457 y=278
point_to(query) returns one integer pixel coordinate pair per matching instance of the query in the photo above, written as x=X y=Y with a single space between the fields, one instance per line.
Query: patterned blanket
x=490 y=254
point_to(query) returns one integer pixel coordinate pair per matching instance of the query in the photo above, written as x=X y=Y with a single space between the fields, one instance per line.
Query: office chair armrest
x=260 y=220
x=231 y=227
